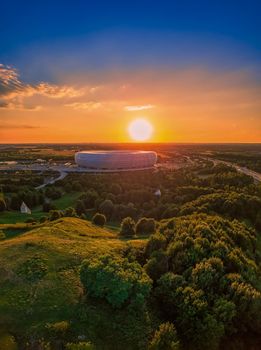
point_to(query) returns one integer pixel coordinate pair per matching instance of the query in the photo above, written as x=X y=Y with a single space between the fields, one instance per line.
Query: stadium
x=116 y=160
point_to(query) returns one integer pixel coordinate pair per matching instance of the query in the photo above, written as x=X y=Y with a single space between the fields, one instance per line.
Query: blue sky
x=76 y=35
x=192 y=68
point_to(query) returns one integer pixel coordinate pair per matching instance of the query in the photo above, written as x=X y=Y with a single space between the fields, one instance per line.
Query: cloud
x=14 y=126
x=138 y=108
x=13 y=91
x=91 y=105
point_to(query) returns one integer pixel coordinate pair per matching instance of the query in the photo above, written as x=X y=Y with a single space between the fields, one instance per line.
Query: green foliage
x=205 y=276
x=145 y=226
x=70 y=211
x=3 y=206
x=115 y=279
x=47 y=206
x=55 y=215
x=127 y=227
x=106 y=208
x=33 y=269
x=2 y=235
x=99 y=219
x=43 y=219
x=165 y=338
x=79 y=346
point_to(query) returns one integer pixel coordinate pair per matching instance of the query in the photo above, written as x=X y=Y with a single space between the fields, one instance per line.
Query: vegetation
x=102 y=262
x=99 y=219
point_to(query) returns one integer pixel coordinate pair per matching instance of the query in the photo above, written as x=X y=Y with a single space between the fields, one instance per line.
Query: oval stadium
x=116 y=160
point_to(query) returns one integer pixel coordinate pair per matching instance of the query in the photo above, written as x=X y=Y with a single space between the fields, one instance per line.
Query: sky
x=82 y=71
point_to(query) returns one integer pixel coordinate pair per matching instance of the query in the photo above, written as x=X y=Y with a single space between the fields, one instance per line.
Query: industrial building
x=116 y=160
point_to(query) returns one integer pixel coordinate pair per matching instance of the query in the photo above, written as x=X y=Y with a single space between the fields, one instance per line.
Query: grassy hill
x=39 y=282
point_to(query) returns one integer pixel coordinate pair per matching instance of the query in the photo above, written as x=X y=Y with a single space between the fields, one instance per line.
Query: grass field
x=12 y=217
x=39 y=280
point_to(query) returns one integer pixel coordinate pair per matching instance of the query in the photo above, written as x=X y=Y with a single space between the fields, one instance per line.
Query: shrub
x=99 y=219
x=80 y=207
x=55 y=215
x=2 y=204
x=127 y=227
x=33 y=269
x=2 y=235
x=145 y=226
x=115 y=279
x=79 y=346
x=71 y=212
x=43 y=219
x=165 y=338
x=47 y=206
x=30 y=221
x=106 y=207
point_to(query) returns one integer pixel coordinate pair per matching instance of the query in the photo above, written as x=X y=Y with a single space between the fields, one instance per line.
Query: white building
x=116 y=160
x=24 y=209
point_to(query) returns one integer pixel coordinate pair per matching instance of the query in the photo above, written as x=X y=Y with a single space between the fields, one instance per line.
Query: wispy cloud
x=13 y=91
x=138 y=108
x=15 y=126
x=90 y=105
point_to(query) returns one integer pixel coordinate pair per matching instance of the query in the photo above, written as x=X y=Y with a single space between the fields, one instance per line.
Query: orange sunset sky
x=83 y=72
x=186 y=105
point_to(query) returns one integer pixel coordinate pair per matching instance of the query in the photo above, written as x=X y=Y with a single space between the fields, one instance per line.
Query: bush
x=115 y=279
x=127 y=227
x=99 y=219
x=2 y=204
x=71 y=212
x=43 y=219
x=2 y=235
x=145 y=226
x=30 y=221
x=165 y=338
x=79 y=346
x=107 y=208
x=55 y=215
x=47 y=206
x=80 y=207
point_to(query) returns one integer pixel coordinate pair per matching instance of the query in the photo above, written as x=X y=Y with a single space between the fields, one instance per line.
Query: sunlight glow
x=140 y=129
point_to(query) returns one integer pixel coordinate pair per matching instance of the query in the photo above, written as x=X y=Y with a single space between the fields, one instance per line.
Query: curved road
x=52 y=181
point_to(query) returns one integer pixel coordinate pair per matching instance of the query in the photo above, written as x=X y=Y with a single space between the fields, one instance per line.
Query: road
x=256 y=176
x=52 y=181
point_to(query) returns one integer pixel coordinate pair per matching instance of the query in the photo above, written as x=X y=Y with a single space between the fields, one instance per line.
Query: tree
x=15 y=202
x=80 y=207
x=127 y=227
x=2 y=203
x=43 y=219
x=145 y=226
x=2 y=235
x=89 y=198
x=80 y=346
x=165 y=338
x=47 y=206
x=71 y=212
x=116 y=280
x=106 y=208
x=55 y=215
x=99 y=219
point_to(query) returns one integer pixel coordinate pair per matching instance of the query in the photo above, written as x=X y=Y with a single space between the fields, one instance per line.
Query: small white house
x=157 y=193
x=24 y=209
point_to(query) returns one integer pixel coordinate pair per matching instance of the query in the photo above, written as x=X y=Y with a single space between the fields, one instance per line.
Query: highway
x=256 y=176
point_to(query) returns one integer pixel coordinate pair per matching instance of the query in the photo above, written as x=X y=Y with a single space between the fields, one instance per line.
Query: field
x=12 y=217
x=50 y=292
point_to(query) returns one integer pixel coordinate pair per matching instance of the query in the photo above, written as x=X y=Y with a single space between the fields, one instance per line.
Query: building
x=24 y=209
x=116 y=160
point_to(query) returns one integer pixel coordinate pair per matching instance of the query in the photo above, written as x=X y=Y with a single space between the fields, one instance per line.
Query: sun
x=140 y=129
